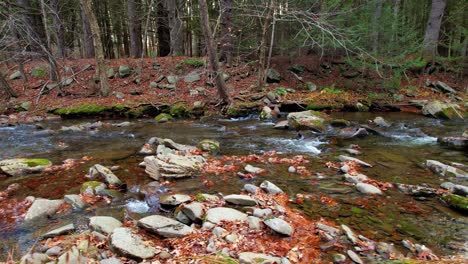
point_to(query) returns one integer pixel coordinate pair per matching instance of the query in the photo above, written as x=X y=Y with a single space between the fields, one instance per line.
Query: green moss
x=37 y=162
x=457 y=202
x=199 y=197
x=90 y=184
x=209 y=145
x=318 y=107
x=179 y=110
x=84 y=109
x=357 y=210
x=194 y=62
x=161 y=116
x=119 y=107
x=138 y=111
x=340 y=123
x=38 y=72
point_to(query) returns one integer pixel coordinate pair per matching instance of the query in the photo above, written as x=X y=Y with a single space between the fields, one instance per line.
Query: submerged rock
x=130 y=245
x=445 y=170
x=19 y=167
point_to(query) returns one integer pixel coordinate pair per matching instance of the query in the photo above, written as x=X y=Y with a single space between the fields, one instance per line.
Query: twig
x=41 y=91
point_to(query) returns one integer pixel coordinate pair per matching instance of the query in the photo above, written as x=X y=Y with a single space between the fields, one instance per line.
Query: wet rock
x=310 y=119
x=360 y=162
x=123 y=124
x=255 y=223
x=174 y=199
x=457 y=202
x=194 y=211
x=262 y=213
x=130 y=245
x=349 y=234
x=266 y=113
x=218 y=214
x=284 y=124
x=447 y=186
x=92 y=187
x=439 y=109
x=273 y=76
x=380 y=121
x=75 y=201
x=338 y=258
x=209 y=145
x=44 y=133
x=104 y=173
x=445 y=170
x=354 y=257
x=60 y=231
x=352 y=132
x=239 y=199
x=415 y=190
x=279 y=225
x=54 y=251
x=164 y=226
x=104 y=224
x=250 y=188
x=455 y=142
x=19 y=167
x=368 y=189
x=42 y=208
x=252 y=169
x=460 y=190
x=355 y=178
x=173 y=165
x=270 y=188
x=254 y=258
x=207 y=197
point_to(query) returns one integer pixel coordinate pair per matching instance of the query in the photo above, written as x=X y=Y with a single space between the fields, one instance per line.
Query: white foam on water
x=138 y=207
x=296 y=145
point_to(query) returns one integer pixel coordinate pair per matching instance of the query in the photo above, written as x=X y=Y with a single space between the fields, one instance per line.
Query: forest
x=233 y=131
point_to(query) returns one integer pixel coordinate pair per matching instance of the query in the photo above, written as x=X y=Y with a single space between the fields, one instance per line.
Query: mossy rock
x=319 y=107
x=179 y=110
x=139 y=111
x=82 y=110
x=92 y=185
x=457 y=202
x=38 y=72
x=209 y=145
x=18 y=167
x=37 y=162
x=163 y=117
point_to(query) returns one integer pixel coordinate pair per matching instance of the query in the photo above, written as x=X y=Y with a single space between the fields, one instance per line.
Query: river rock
x=310 y=119
x=194 y=211
x=173 y=165
x=460 y=190
x=218 y=214
x=284 y=124
x=457 y=202
x=104 y=224
x=445 y=170
x=174 y=199
x=455 y=142
x=240 y=199
x=19 y=167
x=92 y=187
x=181 y=217
x=130 y=245
x=72 y=256
x=252 y=169
x=367 y=188
x=111 y=261
x=254 y=258
x=33 y=258
x=338 y=258
x=106 y=174
x=329 y=229
x=357 y=178
x=415 y=190
x=388 y=251
x=164 y=226
x=54 y=251
x=60 y=231
x=353 y=256
x=250 y=188
x=352 y=132
x=255 y=223
x=42 y=208
x=349 y=234
x=266 y=113
x=262 y=213
x=380 y=121
x=209 y=145
x=439 y=109
x=279 y=225
x=270 y=188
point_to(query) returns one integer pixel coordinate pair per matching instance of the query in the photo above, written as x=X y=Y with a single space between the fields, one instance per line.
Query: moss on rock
x=92 y=185
x=179 y=110
x=457 y=202
x=163 y=117
x=84 y=109
x=37 y=162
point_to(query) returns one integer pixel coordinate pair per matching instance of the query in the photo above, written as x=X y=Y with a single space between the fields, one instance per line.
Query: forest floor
x=339 y=86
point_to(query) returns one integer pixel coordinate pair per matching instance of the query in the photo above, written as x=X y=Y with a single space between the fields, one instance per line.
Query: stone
x=167 y=86
x=119 y=95
x=104 y=224
x=130 y=245
x=171 y=79
x=354 y=257
x=255 y=223
x=21 y=166
x=380 y=121
x=338 y=258
x=266 y=113
x=445 y=170
x=251 y=169
x=368 y=189
x=192 y=77
x=194 y=211
x=164 y=226
x=310 y=119
x=110 y=73
x=358 y=161
x=163 y=117
x=355 y=178
x=442 y=110
x=255 y=258
x=361 y=107
x=262 y=213
x=455 y=142
x=104 y=173
x=124 y=71
x=240 y=199
x=415 y=190
x=226 y=77
x=64 y=230
x=352 y=132
x=270 y=188
x=329 y=229
x=349 y=234
x=218 y=214
x=273 y=76
x=174 y=199
x=42 y=208
x=173 y=165
x=25 y=105
x=54 y=251
x=297 y=68
x=457 y=202
x=219 y=232
x=15 y=75
x=75 y=201
x=279 y=225
x=460 y=190
x=250 y=188
x=33 y=258
x=153 y=85
x=111 y=261
x=207 y=197
x=209 y=145
x=311 y=87
x=92 y=187
x=183 y=218
x=231 y=238
x=284 y=124
x=444 y=87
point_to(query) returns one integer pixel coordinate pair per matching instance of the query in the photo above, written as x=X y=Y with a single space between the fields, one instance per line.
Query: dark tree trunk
x=263 y=46
x=59 y=28
x=134 y=27
x=375 y=25
x=6 y=87
x=109 y=44
x=175 y=25
x=212 y=55
x=87 y=35
x=227 y=32
x=431 y=37
x=164 y=34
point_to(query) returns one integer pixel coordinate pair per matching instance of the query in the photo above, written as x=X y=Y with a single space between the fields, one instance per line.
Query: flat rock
x=164 y=226
x=262 y=213
x=312 y=120
x=255 y=258
x=354 y=257
x=445 y=170
x=252 y=169
x=75 y=201
x=279 y=225
x=130 y=245
x=104 y=173
x=104 y=224
x=358 y=161
x=194 y=211
x=218 y=214
x=270 y=188
x=60 y=231
x=367 y=188
x=19 y=167
x=174 y=199
x=240 y=199
x=284 y=124
x=42 y=208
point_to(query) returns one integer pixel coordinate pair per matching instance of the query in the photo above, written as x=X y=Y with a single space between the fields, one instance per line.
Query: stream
x=398 y=156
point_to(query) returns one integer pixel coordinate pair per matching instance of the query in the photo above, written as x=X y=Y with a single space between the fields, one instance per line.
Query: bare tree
x=431 y=37
x=99 y=52
x=87 y=35
x=164 y=34
x=263 y=46
x=134 y=27
x=227 y=34
x=212 y=55
x=175 y=25
x=375 y=25
x=59 y=27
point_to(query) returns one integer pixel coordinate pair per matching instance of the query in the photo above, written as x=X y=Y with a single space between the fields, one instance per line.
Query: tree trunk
x=99 y=52
x=134 y=27
x=59 y=28
x=227 y=32
x=175 y=26
x=164 y=34
x=375 y=25
x=212 y=55
x=87 y=35
x=6 y=87
x=262 y=56
x=431 y=37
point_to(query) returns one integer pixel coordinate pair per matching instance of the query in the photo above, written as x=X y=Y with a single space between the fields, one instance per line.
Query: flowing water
x=398 y=157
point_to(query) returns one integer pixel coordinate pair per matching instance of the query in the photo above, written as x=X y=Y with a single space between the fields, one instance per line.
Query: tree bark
x=227 y=32
x=134 y=27
x=212 y=55
x=4 y=84
x=175 y=26
x=164 y=34
x=262 y=56
x=59 y=28
x=99 y=52
x=375 y=25
x=431 y=37
x=87 y=35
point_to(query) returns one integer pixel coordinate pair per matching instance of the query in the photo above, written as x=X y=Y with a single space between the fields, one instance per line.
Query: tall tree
x=59 y=27
x=99 y=52
x=175 y=25
x=431 y=37
x=263 y=46
x=87 y=35
x=212 y=55
x=227 y=32
x=375 y=24
x=134 y=27
x=164 y=33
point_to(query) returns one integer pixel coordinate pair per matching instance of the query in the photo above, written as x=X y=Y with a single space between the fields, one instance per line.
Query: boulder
x=273 y=76
x=92 y=187
x=163 y=117
x=194 y=211
x=358 y=161
x=209 y=145
x=279 y=225
x=457 y=202
x=104 y=224
x=415 y=190
x=255 y=223
x=104 y=173
x=173 y=145
x=42 y=208
x=252 y=169
x=19 y=167
x=442 y=110
x=270 y=188
x=310 y=119
x=192 y=77
x=75 y=201
x=110 y=73
x=171 y=79
x=174 y=199
x=266 y=113
x=284 y=124
x=173 y=165
x=380 y=121
x=262 y=213
x=130 y=245
x=218 y=214
x=240 y=199
x=164 y=226
x=455 y=142
x=311 y=87
x=124 y=71
x=254 y=258
x=368 y=188
x=250 y=188
x=445 y=170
